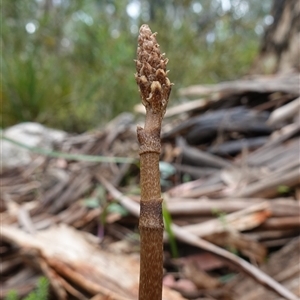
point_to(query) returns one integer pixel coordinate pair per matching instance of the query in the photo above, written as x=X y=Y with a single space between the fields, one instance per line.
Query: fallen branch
x=245 y=219
x=285 y=112
x=281 y=207
x=269 y=187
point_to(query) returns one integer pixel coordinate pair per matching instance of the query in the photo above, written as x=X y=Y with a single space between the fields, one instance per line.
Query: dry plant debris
x=231 y=184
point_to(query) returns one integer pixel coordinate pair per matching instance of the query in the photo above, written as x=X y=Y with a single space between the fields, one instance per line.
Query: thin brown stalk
x=155 y=88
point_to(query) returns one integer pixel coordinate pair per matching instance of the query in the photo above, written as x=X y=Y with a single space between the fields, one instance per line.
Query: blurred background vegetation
x=69 y=64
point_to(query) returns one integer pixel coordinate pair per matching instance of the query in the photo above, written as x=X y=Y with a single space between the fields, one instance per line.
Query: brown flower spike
x=154 y=85
x=151 y=76
x=155 y=88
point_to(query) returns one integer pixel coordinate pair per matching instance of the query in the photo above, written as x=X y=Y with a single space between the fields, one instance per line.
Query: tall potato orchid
x=155 y=88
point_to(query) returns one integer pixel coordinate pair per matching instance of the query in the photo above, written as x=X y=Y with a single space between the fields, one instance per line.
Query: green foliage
x=283 y=189
x=69 y=73
x=168 y=226
x=117 y=208
x=227 y=278
x=41 y=292
x=69 y=64
x=98 y=199
x=221 y=216
x=12 y=295
x=166 y=170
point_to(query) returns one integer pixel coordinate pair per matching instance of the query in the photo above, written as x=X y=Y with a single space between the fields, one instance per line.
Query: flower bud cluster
x=151 y=76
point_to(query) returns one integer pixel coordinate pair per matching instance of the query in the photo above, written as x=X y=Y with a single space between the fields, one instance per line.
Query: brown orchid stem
x=155 y=88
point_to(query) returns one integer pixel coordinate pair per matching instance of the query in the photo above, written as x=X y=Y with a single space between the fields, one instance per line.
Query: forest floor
x=231 y=186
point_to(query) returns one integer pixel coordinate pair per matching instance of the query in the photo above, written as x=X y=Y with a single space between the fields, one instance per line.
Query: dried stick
x=155 y=88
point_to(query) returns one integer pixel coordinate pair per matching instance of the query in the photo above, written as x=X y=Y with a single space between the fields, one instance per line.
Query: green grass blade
x=78 y=157
x=168 y=222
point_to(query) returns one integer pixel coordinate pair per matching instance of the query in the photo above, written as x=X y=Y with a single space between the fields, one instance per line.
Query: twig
x=269 y=187
x=280 y=207
x=244 y=219
x=246 y=267
x=199 y=157
x=285 y=112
